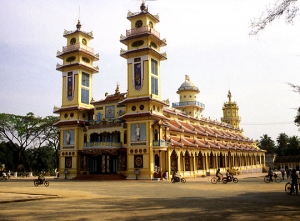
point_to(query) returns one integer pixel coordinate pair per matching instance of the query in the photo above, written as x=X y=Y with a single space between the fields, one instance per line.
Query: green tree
x=293 y=147
x=24 y=132
x=282 y=143
x=266 y=143
x=7 y=156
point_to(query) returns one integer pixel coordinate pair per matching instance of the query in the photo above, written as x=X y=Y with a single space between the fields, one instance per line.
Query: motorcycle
x=232 y=179
x=216 y=179
x=5 y=176
x=37 y=182
x=178 y=179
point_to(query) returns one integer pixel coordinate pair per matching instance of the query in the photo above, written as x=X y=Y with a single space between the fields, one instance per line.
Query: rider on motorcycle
x=218 y=174
x=228 y=175
x=41 y=177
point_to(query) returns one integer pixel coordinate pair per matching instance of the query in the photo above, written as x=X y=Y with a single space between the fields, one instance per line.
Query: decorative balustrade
x=102 y=144
x=76 y=46
x=159 y=143
x=187 y=103
x=141 y=30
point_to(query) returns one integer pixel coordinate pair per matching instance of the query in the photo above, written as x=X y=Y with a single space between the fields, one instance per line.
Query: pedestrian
x=282 y=172
x=294 y=178
x=288 y=172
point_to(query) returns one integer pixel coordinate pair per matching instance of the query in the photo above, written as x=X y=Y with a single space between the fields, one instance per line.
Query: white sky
x=207 y=40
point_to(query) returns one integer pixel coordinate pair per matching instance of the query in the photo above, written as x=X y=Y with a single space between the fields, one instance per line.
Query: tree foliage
x=285 y=145
x=266 y=143
x=281 y=7
x=24 y=132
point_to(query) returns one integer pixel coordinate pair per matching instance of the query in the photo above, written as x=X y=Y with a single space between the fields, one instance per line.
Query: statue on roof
x=187 y=78
x=229 y=95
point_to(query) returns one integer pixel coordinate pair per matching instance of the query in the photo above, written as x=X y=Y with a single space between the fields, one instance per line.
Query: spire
x=117 y=91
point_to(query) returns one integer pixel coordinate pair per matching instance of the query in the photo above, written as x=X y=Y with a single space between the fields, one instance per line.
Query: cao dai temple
x=137 y=134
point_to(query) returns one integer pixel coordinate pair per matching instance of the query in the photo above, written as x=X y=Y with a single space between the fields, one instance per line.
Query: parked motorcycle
x=232 y=179
x=178 y=179
x=37 y=182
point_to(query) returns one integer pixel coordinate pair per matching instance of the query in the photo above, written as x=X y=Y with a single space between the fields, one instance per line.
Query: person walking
x=294 y=178
x=282 y=173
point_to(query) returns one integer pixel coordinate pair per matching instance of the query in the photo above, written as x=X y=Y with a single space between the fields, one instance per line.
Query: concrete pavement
x=197 y=199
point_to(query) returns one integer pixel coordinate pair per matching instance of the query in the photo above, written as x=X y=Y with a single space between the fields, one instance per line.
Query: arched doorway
x=174 y=163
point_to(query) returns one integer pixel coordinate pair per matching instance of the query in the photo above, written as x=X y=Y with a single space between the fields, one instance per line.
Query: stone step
x=100 y=177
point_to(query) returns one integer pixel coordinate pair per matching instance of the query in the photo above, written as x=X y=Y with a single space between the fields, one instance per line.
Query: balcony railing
x=76 y=46
x=188 y=103
x=159 y=143
x=102 y=144
x=142 y=30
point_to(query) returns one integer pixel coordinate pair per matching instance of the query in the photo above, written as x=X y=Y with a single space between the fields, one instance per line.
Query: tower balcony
x=145 y=30
x=142 y=30
x=60 y=67
x=160 y=143
x=77 y=47
x=188 y=103
x=125 y=53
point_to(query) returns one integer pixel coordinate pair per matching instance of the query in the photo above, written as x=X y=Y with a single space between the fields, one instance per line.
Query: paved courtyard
x=197 y=199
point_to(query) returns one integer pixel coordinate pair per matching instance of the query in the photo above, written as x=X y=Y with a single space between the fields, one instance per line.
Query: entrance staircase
x=100 y=177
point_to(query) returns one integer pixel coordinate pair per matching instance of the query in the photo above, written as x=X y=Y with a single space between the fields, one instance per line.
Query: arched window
x=187 y=162
x=125 y=137
x=174 y=165
x=99 y=117
x=155 y=135
x=200 y=161
x=156 y=160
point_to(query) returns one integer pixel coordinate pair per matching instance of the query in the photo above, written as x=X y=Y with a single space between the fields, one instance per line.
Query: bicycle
x=275 y=177
x=288 y=187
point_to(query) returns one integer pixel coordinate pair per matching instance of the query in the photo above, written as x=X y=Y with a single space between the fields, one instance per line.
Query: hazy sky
x=206 y=39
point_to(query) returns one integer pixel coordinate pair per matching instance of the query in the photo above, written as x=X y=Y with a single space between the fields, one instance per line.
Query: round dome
x=187 y=85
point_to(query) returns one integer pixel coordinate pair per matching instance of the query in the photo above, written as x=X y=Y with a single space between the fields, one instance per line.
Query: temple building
x=137 y=134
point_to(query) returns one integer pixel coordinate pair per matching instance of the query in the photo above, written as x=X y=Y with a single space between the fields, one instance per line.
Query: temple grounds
x=197 y=199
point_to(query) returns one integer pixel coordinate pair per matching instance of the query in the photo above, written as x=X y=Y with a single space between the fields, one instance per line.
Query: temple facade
x=137 y=134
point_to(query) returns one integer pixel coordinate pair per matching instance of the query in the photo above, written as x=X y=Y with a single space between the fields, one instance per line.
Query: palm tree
x=293 y=146
x=282 y=143
x=266 y=143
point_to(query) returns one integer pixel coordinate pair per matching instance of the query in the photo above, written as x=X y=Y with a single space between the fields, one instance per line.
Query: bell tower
x=231 y=112
x=144 y=105
x=143 y=54
x=77 y=68
x=76 y=110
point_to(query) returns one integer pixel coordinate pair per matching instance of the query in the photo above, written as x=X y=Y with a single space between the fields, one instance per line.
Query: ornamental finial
x=78 y=26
